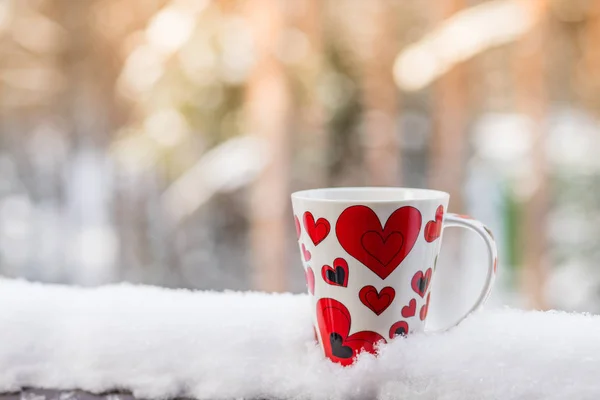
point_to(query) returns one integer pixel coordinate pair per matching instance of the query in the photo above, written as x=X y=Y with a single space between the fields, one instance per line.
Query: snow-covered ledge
x=158 y=343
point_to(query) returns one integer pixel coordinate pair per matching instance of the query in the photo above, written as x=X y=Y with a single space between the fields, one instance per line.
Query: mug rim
x=416 y=194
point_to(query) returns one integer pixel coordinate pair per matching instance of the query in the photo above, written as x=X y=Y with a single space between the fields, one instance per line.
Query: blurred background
x=157 y=141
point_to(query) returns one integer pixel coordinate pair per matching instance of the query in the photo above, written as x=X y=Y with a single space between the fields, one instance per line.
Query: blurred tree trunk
x=268 y=109
x=380 y=95
x=447 y=152
x=588 y=74
x=531 y=100
x=311 y=119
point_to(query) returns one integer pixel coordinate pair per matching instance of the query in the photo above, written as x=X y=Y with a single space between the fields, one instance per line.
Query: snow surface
x=161 y=343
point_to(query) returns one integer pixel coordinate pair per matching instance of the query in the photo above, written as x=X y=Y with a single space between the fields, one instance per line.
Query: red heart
x=306 y=253
x=425 y=309
x=400 y=328
x=317 y=231
x=495 y=265
x=338 y=275
x=334 y=323
x=410 y=310
x=359 y=231
x=310 y=280
x=298 y=228
x=433 y=229
x=420 y=282
x=377 y=302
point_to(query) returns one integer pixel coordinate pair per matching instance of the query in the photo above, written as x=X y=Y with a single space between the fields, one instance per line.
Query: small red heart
x=425 y=309
x=433 y=229
x=310 y=280
x=495 y=265
x=400 y=328
x=420 y=282
x=306 y=253
x=298 y=228
x=334 y=321
x=336 y=275
x=377 y=302
x=410 y=310
x=317 y=231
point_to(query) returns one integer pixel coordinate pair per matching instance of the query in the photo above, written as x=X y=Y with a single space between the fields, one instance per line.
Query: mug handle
x=464 y=221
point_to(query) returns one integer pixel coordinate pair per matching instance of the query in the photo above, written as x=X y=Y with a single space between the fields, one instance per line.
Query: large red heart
x=317 y=231
x=310 y=280
x=425 y=309
x=298 y=229
x=410 y=310
x=420 y=282
x=359 y=231
x=336 y=275
x=433 y=229
x=377 y=302
x=334 y=323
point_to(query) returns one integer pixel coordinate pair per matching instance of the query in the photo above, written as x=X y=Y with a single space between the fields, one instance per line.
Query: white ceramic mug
x=370 y=256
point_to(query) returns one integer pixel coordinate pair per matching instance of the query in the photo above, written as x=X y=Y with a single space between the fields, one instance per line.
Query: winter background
x=157 y=141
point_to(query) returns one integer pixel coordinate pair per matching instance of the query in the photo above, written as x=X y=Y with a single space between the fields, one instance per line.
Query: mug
x=370 y=257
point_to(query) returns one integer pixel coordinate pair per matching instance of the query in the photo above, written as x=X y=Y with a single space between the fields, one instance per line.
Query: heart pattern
x=420 y=282
x=375 y=301
x=425 y=309
x=298 y=228
x=399 y=328
x=381 y=249
x=410 y=310
x=317 y=231
x=433 y=229
x=334 y=321
x=305 y=253
x=310 y=280
x=338 y=274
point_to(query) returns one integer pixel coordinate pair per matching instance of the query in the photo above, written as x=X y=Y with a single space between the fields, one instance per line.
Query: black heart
x=400 y=331
x=338 y=276
x=423 y=284
x=337 y=346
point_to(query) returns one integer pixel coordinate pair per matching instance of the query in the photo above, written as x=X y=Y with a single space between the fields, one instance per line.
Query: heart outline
x=356 y=221
x=433 y=229
x=317 y=231
x=339 y=264
x=377 y=301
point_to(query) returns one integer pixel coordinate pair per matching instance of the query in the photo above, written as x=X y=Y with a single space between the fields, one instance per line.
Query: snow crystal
x=161 y=343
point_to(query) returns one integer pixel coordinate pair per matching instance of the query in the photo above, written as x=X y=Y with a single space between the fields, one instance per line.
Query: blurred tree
x=310 y=134
x=448 y=144
x=530 y=96
x=268 y=111
x=379 y=93
x=588 y=72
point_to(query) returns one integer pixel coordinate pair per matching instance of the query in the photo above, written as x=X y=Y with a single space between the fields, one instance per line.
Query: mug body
x=369 y=256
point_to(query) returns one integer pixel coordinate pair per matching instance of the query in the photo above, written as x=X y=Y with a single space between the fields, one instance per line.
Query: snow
x=161 y=343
